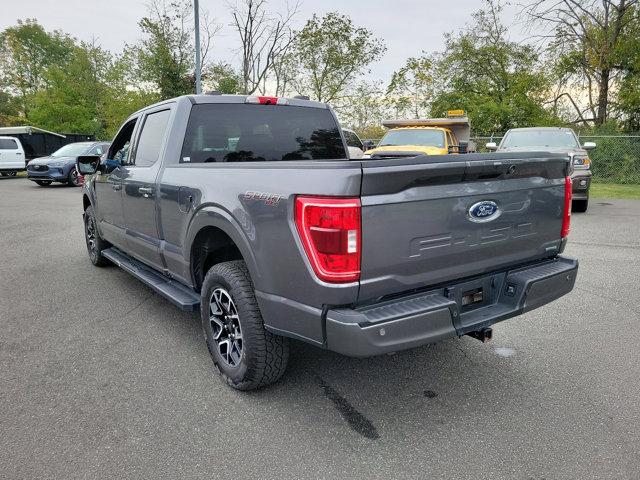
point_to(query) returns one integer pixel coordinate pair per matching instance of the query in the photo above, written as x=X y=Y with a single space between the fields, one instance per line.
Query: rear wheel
x=95 y=244
x=246 y=355
x=43 y=183
x=73 y=180
x=580 y=206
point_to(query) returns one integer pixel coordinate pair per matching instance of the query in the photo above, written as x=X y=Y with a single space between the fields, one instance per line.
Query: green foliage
x=165 y=56
x=224 y=79
x=616 y=159
x=495 y=80
x=411 y=87
x=331 y=52
x=26 y=51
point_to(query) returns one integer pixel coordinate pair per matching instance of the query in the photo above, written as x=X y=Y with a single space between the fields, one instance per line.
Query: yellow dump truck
x=425 y=136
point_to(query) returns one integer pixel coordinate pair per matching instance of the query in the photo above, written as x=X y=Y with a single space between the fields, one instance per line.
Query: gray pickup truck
x=249 y=210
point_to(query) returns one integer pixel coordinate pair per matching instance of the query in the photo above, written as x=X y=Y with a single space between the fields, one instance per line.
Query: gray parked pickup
x=248 y=209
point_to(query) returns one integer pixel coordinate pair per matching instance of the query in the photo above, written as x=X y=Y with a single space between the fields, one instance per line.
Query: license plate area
x=472 y=297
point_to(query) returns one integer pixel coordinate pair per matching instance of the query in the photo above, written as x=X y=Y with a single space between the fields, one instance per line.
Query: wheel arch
x=214 y=236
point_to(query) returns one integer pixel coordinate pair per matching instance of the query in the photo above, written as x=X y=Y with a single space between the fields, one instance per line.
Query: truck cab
x=424 y=136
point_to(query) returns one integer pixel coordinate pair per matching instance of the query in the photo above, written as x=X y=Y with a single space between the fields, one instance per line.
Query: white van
x=12 y=158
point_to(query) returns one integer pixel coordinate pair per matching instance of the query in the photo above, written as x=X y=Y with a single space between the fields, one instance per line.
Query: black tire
x=261 y=356
x=580 y=206
x=95 y=244
x=72 y=178
x=43 y=183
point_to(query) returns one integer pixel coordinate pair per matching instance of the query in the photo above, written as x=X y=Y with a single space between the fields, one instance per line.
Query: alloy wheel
x=225 y=327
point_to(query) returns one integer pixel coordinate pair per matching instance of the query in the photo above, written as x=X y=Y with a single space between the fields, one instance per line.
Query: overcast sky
x=407 y=26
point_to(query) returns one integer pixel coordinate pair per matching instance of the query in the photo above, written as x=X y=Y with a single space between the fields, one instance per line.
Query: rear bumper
x=429 y=317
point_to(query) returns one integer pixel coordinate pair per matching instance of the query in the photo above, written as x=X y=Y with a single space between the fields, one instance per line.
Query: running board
x=175 y=292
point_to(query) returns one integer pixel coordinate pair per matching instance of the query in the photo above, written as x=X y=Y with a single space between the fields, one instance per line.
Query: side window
x=97 y=150
x=8 y=144
x=119 y=150
x=353 y=140
x=151 y=138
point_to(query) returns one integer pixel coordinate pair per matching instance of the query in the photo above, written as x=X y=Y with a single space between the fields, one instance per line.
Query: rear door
x=139 y=187
x=11 y=154
x=417 y=225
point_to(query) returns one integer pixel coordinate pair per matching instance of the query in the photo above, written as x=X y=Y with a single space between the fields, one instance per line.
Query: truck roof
x=208 y=98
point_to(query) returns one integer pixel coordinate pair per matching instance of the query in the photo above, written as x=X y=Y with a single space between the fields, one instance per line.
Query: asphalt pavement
x=101 y=378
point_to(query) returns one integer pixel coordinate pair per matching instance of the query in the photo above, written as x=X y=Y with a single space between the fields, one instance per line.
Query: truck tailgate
x=418 y=231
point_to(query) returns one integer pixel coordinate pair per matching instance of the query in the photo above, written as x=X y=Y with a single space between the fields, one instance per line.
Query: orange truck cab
x=425 y=136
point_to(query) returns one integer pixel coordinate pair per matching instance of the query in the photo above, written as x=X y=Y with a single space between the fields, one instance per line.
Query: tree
x=224 y=79
x=363 y=108
x=165 y=57
x=330 y=53
x=26 y=51
x=494 y=79
x=587 y=37
x=411 y=87
x=264 y=38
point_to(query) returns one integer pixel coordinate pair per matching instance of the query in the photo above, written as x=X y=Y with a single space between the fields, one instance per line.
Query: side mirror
x=589 y=145
x=493 y=146
x=87 y=164
x=368 y=145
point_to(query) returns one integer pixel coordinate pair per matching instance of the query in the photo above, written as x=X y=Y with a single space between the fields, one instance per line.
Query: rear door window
x=247 y=132
x=8 y=144
x=151 y=138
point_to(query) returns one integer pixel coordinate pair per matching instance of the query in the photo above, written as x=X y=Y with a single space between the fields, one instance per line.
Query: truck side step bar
x=175 y=292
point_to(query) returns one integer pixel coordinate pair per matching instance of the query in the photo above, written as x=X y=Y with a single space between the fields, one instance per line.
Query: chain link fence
x=616 y=158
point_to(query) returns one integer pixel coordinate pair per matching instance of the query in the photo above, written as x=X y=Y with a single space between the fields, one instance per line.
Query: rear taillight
x=566 y=216
x=330 y=231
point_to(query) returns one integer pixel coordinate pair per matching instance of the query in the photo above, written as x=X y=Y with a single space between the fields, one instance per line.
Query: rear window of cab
x=249 y=133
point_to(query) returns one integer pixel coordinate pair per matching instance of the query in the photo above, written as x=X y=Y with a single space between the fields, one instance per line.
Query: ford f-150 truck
x=249 y=210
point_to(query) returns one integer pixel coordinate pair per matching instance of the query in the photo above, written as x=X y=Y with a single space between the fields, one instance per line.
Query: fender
x=216 y=216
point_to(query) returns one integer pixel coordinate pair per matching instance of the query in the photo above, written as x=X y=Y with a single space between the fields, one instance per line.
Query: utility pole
x=196 y=12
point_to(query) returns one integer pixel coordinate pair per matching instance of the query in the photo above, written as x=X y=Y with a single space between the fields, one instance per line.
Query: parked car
x=249 y=209
x=354 y=144
x=424 y=136
x=12 y=158
x=554 y=139
x=60 y=166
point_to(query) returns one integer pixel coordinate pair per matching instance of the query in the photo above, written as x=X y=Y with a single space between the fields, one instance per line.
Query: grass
x=614 y=190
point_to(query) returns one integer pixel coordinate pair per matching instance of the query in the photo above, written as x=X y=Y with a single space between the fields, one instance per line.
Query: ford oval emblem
x=484 y=211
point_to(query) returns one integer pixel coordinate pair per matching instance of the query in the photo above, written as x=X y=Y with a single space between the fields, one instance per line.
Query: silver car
x=554 y=139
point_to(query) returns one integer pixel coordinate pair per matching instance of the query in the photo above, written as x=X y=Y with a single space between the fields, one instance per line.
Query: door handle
x=145 y=191
x=116 y=187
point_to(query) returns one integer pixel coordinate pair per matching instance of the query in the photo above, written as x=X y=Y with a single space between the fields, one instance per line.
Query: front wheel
x=95 y=243
x=580 y=206
x=73 y=180
x=246 y=355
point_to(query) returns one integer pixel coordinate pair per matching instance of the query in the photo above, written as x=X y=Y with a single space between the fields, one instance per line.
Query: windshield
x=540 y=138
x=71 y=150
x=425 y=138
